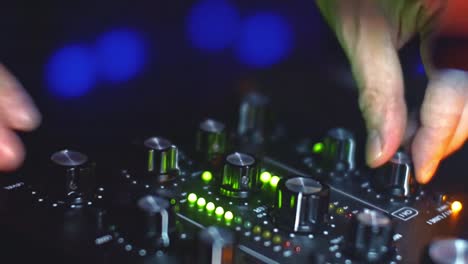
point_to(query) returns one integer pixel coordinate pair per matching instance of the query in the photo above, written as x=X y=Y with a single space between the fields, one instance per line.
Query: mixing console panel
x=243 y=197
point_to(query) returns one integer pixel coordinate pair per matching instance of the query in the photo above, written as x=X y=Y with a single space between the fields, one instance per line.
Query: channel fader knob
x=240 y=175
x=369 y=238
x=161 y=159
x=153 y=223
x=301 y=205
x=339 y=150
x=211 y=140
x=396 y=177
x=216 y=246
x=71 y=169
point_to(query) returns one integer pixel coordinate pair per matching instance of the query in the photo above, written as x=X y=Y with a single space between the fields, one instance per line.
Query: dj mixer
x=245 y=195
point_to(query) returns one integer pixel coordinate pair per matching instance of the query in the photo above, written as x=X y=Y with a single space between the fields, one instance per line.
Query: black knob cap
x=339 y=150
x=396 y=177
x=71 y=170
x=301 y=205
x=253 y=118
x=216 y=246
x=240 y=175
x=153 y=223
x=161 y=159
x=211 y=140
x=446 y=251
x=370 y=235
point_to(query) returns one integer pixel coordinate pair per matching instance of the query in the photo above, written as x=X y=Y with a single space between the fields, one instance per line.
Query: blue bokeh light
x=420 y=70
x=121 y=55
x=265 y=39
x=212 y=25
x=71 y=71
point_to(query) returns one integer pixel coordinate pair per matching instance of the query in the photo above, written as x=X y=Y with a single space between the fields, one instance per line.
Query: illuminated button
x=210 y=207
x=277 y=239
x=219 y=211
x=238 y=220
x=228 y=216
x=192 y=198
x=456 y=206
x=274 y=181
x=247 y=224
x=331 y=206
x=207 y=176
x=265 y=177
x=297 y=249
x=201 y=202
x=257 y=229
x=266 y=234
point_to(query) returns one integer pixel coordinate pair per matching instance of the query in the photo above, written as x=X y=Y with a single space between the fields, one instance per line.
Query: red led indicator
x=287 y=244
x=297 y=249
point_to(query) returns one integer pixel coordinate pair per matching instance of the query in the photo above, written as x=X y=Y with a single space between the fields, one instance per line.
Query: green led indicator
x=247 y=224
x=219 y=211
x=318 y=147
x=292 y=202
x=238 y=220
x=201 y=202
x=207 y=176
x=265 y=177
x=266 y=234
x=173 y=201
x=257 y=229
x=210 y=207
x=192 y=198
x=280 y=199
x=274 y=181
x=228 y=216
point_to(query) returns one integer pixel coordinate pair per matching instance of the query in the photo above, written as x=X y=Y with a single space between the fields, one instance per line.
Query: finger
x=441 y=113
x=17 y=110
x=461 y=134
x=368 y=42
x=11 y=150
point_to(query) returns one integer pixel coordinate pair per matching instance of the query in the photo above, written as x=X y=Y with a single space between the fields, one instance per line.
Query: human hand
x=371 y=32
x=17 y=112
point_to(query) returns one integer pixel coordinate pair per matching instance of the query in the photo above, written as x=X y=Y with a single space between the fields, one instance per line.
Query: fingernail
x=374 y=147
x=27 y=118
x=427 y=172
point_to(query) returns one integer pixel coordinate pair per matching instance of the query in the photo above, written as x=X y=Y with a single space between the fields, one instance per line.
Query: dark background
x=180 y=84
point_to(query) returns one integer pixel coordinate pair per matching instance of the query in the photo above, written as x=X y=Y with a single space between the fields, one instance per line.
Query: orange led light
x=456 y=206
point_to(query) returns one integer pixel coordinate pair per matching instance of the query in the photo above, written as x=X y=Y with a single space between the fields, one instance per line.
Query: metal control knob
x=240 y=176
x=396 y=177
x=161 y=159
x=370 y=236
x=339 y=150
x=301 y=205
x=153 y=222
x=216 y=246
x=71 y=176
x=446 y=251
x=211 y=140
x=253 y=118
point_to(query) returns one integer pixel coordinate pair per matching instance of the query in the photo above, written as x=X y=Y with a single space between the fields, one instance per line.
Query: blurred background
x=102 y=72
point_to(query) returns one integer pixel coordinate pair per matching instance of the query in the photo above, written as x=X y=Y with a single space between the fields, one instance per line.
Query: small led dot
x=339 y=210
x=257 y=229
x=201 y=202
x=266 y=234
x=219 y=211
x=228 y=216
x=318 y=147
x=207 y=176
x=276 y=239
x=274 y=181
x=265 y=177
x=210 y=207
x=247 y=224
x=192 y=198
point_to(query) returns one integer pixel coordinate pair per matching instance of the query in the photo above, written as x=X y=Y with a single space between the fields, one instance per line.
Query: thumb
x=367 y=40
